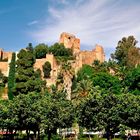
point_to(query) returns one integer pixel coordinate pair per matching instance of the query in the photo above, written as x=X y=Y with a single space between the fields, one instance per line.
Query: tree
x=58 y=112
x=3 y=79
x=59 y=50
x=132 y=80
x=11 y=77
x=28 y=112
x=7 y=120
x=85 y=73
x=126 y=53
x=107 y=82
x=88 y=112
x=133 y=57
x=47 y=69
x=41 y=50
x=82 y=89
x=109 y=115
x=101 y=112
x=36 y=112
x=130 y=111
x=25 y=78
x=66 y=75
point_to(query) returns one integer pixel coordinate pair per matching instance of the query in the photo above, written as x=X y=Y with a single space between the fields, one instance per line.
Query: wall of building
x=88 y=57
x=70 y=41
x=4 y=65
x=53 y=75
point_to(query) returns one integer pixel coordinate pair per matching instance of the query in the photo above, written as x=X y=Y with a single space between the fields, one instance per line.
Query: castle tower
x=99 y=52
x=70 y=41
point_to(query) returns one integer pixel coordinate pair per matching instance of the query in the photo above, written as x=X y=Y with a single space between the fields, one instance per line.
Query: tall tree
x=126 y=53
x=11 y=77
x=101 y=112
x=26 y=79
x=88 y=112
x=109 y=115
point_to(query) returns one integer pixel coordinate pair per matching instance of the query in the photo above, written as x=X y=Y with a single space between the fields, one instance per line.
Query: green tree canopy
x=25 y=78
x=11 y=77
x=101 y=112
x=60 y=50
x=47 y=69
x=107 y=82
x=126 y=53
x=132 y=81
x=41 y=50
x=130 y=111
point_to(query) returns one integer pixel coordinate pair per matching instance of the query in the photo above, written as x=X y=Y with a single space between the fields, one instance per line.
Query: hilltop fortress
x=69 y=41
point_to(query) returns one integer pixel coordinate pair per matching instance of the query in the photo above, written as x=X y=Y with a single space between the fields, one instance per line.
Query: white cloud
x=104 y=22
x=32 y=22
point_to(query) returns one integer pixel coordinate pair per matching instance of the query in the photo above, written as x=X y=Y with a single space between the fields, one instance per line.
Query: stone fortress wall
x=69 y=41
x=53 y=75
x=87 y=57
x=5 y=59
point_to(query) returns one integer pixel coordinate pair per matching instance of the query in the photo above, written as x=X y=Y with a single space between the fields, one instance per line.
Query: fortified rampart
x=70 y=41
x=53 y=75
x=5 y=59
x=88 y=57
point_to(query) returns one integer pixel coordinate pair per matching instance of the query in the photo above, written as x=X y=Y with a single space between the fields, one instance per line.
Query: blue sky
x=102 y=22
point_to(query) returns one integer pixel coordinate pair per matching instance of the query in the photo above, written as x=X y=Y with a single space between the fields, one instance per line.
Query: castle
x=69 y=41
x=5 y=59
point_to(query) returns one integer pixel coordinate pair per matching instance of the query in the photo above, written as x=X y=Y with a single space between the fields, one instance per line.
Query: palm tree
x=67 y=73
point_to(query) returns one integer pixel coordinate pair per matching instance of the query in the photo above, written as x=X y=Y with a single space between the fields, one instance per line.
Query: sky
x=102 y=22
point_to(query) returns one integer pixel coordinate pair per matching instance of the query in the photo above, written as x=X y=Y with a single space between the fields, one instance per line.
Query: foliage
x=107 y=82
x=61 y=53
x=82 y=89
x=88 y=113
x=126 y=53
x=3 y=79
x=41 y=50
x=25 y=78
x=47 y=69
x=59 y=50
x=130 y=111
x=132 y=81
x=60 y=113
x=85 y=73
x=100 y=67
x=11 y=77
x=101 y=112
x=110 y=115
x=36 y=112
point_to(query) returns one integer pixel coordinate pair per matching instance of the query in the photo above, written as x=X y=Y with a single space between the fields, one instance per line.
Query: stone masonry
x=5 y=59
x=87 y=57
